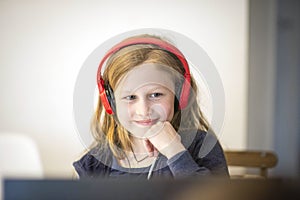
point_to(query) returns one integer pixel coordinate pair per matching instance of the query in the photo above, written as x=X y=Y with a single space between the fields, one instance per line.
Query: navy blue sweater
x=195 y=161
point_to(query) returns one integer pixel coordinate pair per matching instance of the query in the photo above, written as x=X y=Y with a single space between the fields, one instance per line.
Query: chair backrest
x=263 y=160
x=19 y=156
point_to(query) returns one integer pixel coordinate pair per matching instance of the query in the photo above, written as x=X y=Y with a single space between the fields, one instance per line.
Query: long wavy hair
x=107 y=131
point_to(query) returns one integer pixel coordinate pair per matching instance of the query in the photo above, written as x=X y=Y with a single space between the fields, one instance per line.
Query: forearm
x=183 y=165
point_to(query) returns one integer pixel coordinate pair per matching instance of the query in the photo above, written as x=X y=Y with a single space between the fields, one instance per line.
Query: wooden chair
x=263 y=160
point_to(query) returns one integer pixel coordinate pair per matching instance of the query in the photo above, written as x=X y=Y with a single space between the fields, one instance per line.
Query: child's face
x=144 y=97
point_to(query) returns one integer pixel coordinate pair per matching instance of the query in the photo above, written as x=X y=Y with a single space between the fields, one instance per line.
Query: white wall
x=44 y=43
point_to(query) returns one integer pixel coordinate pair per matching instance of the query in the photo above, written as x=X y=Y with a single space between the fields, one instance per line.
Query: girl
x=148 y=123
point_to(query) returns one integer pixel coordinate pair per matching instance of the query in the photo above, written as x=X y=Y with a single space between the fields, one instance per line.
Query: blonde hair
x=108 y=133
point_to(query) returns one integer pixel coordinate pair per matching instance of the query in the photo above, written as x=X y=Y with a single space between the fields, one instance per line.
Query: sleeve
x=192 y=162
x=89 y=167
x=215 y=161
x=183 y=165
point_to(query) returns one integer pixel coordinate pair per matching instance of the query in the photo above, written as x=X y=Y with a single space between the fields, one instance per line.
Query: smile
x=147 y=122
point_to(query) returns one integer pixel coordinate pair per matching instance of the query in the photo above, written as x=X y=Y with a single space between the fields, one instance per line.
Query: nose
x=142 y=107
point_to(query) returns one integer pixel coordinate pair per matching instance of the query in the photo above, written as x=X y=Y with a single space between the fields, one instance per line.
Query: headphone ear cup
x=103 y=91
x=110 y=97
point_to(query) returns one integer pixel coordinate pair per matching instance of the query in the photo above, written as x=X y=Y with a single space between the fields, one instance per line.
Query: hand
x=165 y=139
x=152 y=151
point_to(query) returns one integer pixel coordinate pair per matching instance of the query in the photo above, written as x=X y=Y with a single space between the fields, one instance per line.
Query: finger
x=149 y=147
x=156 y=152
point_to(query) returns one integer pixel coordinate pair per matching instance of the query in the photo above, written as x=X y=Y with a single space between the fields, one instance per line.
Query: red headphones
x=105 y=91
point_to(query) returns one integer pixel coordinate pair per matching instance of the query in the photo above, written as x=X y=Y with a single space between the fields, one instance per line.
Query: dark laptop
x=183 y=189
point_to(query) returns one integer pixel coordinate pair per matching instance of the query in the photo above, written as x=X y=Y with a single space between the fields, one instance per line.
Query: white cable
x=151 y=168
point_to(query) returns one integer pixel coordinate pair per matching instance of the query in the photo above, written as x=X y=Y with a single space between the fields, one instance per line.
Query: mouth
x=147 y=122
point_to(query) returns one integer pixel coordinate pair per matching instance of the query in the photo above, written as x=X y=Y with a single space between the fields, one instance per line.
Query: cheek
x=170 y=112
x=122 y=111
x=168 y=106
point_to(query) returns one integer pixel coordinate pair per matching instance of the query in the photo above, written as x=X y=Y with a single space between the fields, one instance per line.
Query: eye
x=156 y=95
x=130 y=98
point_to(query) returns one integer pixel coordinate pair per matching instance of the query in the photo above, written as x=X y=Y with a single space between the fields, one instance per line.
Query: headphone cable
x=151 y=168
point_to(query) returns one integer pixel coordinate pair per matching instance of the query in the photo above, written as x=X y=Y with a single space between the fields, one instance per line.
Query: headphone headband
x=152 y=41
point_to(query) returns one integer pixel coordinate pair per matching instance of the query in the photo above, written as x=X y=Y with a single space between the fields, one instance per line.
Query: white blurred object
x=19 y=156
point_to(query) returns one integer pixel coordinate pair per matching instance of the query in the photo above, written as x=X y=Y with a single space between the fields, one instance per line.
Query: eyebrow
x=156 y=87
x=159 y=87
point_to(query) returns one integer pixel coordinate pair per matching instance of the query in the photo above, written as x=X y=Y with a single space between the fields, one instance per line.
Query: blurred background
x=254 y=45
